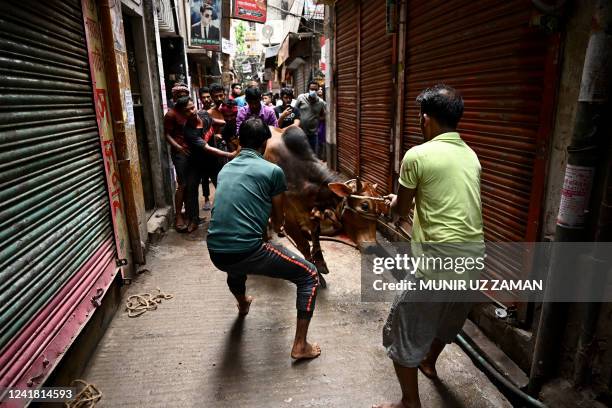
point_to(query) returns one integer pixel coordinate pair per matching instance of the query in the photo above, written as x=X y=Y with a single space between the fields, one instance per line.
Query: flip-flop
x=180 y=228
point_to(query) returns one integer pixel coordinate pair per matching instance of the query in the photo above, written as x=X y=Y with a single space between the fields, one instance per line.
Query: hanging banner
x=205 y=23
x=250 y=10
x=228 y=47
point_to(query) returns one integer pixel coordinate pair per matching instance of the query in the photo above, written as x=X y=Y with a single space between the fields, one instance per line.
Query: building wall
x=125 y=131
x=577 y=31
x=146 y=62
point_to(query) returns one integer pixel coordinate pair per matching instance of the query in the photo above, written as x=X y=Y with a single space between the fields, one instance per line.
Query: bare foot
x=192 y=227
x=244 y=307
x=429 y=370
x=306 y=351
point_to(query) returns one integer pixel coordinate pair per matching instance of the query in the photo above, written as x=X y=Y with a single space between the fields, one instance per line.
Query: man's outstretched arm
x=401 y=203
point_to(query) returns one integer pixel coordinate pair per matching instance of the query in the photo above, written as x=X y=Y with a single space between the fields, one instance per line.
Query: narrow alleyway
x=193 y=351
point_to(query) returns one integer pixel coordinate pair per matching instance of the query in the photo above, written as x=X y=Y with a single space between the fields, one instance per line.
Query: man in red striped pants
x=249 y=190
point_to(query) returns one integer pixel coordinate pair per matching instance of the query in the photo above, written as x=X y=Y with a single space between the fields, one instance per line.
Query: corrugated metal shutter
x=347 y=45
x=299 y=79
x=376 y=94
x=54 y=205
x=488 y=51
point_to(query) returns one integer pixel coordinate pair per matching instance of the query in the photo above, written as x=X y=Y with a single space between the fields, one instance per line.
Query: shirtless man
x=217 y=94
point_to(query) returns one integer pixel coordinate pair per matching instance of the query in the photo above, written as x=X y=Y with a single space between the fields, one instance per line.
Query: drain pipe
x=583 y=155
x=499 y=377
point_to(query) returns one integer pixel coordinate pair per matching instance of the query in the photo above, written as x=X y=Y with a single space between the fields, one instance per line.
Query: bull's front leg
x=293 y=230
x=317 y=252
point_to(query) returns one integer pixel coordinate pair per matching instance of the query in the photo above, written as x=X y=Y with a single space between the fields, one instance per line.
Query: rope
x=367 y=197
x=340 y=240
x=87 y=398
x=142 y=303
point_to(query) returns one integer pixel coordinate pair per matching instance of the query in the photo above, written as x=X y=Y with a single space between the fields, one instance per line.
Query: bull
x=318 y=202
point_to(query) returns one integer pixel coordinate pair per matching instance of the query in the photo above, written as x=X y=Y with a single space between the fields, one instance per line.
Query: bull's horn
x=358 y=185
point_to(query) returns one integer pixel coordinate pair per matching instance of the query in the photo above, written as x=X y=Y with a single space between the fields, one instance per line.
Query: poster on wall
x=250 y=10
x=205 y=24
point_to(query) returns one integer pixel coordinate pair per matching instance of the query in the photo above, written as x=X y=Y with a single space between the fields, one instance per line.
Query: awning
x=272 y=51
x=288 y=43
x=295 y=63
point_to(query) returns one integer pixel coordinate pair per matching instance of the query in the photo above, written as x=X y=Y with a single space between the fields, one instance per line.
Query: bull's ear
x=374 y=186
x=340 y=189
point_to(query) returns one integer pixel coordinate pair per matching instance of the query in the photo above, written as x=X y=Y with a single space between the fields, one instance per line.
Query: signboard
x=250 y=10
x=246 y=68
x=323 y=60
x=205 y=23
x=228 y=46
x=313 y=11
x=283 y=52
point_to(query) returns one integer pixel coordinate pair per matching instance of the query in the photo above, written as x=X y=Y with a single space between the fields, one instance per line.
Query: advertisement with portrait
x=250 y=10
x=205 y=16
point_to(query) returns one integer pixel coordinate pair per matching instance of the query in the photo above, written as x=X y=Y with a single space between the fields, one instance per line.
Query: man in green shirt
x=442 y=175
x=250 y=190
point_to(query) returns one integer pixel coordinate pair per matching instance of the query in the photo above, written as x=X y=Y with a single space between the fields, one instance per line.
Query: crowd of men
x=440 y=178
x=203 y=140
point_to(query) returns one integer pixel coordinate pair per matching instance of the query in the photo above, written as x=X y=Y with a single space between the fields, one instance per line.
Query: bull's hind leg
x=294 y=231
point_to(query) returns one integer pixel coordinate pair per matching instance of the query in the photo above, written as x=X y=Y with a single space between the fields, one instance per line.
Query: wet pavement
x=193 y=351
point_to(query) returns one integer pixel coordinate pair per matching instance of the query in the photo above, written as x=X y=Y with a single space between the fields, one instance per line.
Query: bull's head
x=360 y=208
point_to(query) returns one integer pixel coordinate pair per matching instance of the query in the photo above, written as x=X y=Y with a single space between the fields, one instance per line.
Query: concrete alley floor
x=193 y=351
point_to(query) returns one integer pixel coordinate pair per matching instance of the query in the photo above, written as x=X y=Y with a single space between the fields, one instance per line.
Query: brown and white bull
x=318 y=202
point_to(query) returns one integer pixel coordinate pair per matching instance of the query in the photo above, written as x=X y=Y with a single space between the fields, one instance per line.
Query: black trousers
x=199 y=169
x=276 y=262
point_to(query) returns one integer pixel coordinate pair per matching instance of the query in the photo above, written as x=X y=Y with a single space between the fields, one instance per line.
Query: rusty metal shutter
x=489 y=51
x=376 y=90
x=300 y=79
x=54 y=205
x=347 y=51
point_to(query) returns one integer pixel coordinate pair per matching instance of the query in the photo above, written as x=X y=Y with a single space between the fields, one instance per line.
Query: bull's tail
x=296 y=141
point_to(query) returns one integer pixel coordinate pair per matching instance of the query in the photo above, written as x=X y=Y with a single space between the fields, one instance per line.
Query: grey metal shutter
x=54 y=205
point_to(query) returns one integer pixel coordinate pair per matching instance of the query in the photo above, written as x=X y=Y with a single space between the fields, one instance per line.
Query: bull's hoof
x=322 y=268
x=322 y=282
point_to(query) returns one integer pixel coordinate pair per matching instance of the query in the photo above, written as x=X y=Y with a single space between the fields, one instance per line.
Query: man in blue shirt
x=250 y=190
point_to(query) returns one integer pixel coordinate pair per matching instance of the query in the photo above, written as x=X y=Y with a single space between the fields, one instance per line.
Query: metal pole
x=583 y=156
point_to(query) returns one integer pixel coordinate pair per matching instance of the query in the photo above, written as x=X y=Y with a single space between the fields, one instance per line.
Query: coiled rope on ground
x=137 y=305
x=88 y=397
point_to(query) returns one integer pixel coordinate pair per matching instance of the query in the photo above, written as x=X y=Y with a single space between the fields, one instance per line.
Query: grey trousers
x=414 y=322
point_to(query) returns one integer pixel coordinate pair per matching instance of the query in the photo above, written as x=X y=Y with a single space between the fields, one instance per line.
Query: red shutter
x=490 y=52
x=347 y=129
x=376 y=96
